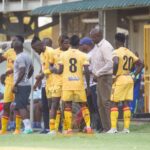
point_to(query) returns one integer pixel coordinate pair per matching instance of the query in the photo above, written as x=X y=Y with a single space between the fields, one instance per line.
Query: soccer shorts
x=74 y=95
x=122 y=89
x=48 y=88
x=8 y=94
x=57 y=91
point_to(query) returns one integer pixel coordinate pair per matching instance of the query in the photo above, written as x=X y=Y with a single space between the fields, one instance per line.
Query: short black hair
x=35 y=39
x=20 y=38
x=120 y=37
x=74 y=40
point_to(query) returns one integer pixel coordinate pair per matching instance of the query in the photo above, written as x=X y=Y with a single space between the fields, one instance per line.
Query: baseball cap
x=86 y=40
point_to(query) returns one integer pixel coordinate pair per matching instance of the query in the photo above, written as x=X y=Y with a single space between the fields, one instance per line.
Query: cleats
x=52 y=133
x=68 y=132
x=3 y=132
x=112 y=131
x=16 y=132
x=88 y=130
x=29 y=131
x=125 y=131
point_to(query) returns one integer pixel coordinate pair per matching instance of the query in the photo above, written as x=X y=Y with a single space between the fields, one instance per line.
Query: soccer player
x=46 y=54
x=71 y=67
x=10 y=57
x=57 y=85
x=123 y=82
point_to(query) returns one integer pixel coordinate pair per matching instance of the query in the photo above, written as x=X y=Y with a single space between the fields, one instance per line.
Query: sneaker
x=112 y=130
x=126 y=131
x=29 y=131
x=17 y=132
x=68 y=132
x=45 y=131
x=53 y=132
x=89 y=130
x=3 y=132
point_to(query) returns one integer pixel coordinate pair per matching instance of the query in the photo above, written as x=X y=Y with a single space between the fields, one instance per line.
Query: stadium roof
x=89 y=5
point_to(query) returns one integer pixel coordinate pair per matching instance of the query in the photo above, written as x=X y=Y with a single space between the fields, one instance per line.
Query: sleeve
x=6 y=54
x=51 y=54
x=135 y=58
x=21 y=62
x=85 y=60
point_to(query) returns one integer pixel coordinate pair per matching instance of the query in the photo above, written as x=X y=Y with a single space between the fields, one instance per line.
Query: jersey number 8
x=73 y=67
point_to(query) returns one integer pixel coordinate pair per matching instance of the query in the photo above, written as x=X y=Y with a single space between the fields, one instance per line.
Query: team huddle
x=64 y=72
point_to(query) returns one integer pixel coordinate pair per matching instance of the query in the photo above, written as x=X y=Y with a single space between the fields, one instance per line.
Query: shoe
x=112 y=130
x=29 y=131
x=68 y=132
x=44 y=131
x=89 y=130
x=125 y=131
x=53 y=132
x=3 y=132
x=17 y=132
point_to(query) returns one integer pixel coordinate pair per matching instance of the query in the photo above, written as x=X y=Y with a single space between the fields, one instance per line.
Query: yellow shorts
x=122 y=89
x=56 y=91
x=75 y=96
x=8 y=94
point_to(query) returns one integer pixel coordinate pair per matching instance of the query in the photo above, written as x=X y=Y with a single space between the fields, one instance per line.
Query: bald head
x=18 y=46
x=47 y=42
x=96 y=34
x=38 y=46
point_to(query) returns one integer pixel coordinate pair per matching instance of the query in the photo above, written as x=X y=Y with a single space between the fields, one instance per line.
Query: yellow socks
x=18 y=122
x=4 y=123
x=114 y=117
x=52 y=124
x=86 y=116
x=57 y=121
x=68 y=118
x=127 y=116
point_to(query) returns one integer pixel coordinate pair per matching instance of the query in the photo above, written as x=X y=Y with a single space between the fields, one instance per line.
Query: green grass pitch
x=138 y=139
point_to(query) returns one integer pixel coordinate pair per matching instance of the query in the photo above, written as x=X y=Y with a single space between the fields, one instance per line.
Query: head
x=18 y=46
x=17 y=38
x=86 y=44
x=119 y=39
x=64 y=42
x=37 y=45
x=96 y=35
x=75 y=41
x=47 y=42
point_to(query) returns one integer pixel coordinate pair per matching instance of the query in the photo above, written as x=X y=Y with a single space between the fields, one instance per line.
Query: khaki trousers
x=104 y=85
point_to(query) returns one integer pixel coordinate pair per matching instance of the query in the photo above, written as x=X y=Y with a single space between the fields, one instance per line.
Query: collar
x=100 y=43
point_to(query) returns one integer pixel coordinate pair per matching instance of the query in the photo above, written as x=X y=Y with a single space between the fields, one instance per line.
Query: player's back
x=73 y=61
x=126 y=60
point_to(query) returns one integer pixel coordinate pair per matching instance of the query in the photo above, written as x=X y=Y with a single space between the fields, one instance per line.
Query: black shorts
x=22 y=97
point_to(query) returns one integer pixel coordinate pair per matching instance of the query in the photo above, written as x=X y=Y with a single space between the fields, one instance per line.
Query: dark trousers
x=45 y=109
x=93 y=108
x=104 y=85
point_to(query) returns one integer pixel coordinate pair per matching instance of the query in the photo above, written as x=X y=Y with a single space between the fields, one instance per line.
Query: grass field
x=138 y=139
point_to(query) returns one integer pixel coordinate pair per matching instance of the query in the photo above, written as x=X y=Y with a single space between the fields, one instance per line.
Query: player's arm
x=87 y=75
x=55 y=70
x=139 y=66
x=8 y=72
x=115 y=65
x=2 y=58
x=31 y=70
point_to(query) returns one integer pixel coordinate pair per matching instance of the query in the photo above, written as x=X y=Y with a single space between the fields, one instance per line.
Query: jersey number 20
x=128 y=63
x=73 y=67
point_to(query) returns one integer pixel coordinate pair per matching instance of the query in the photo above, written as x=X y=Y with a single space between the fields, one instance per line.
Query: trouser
x=104 y=85
x=93 y=108
x=45 y=109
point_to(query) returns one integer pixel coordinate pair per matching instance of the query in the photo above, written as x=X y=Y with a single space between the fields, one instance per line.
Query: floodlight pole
x=32 y=83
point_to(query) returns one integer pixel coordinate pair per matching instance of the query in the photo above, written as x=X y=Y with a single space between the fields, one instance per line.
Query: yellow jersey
x=57 y=79
x=46 y=58
x=10 y=56
x=73 y=61
x=126 y=60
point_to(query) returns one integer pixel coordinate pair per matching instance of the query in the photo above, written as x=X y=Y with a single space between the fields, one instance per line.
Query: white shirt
x=101 y=59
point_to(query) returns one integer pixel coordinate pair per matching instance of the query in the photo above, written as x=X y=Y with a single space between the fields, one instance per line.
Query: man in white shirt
x=102 y=69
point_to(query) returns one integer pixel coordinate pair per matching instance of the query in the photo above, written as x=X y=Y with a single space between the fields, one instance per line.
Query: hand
x=88 y=91
x=9 y=72
x=95 y=78
x=52 y=69
x=15 y=89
